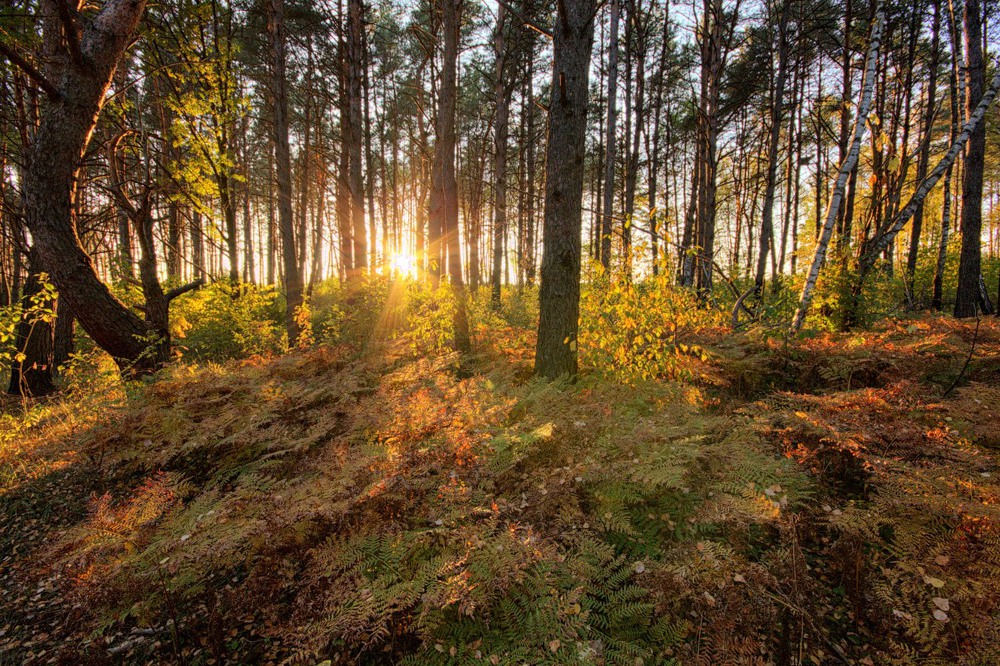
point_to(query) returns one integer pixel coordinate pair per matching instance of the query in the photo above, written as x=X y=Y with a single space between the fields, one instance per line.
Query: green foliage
x=219 y=322
x=636 y=331
x=40 y=309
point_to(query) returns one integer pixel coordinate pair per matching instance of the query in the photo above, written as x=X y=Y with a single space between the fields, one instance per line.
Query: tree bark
x=968 y=298
x=283 y=170
x=559 y=297
x=611 y=152
x=51 y=179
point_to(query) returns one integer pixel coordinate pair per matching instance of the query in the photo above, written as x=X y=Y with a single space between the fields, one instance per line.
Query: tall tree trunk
x=611 y=152
x=501 y=93
x=925 y=149
x=846 y=218
x=937 y=296
x=654 y=152
x=530 y=224
x=969 y=295
x=770 y=185
x=283 y=171
x=559 y=297
x=355 y=63
x=639 y=28
x=444 y=189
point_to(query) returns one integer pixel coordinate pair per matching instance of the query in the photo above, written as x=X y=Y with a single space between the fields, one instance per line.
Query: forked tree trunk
x=51 y=179
x=559 y=297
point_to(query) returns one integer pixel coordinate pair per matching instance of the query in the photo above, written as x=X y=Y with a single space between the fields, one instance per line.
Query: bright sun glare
x=404 y=264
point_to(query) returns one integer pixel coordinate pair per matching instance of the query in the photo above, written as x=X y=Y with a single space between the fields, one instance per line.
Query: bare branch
x=15 y=59
x=183 y=289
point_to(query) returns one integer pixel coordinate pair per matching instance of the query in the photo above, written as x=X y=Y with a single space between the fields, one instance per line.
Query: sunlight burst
x=404 y=264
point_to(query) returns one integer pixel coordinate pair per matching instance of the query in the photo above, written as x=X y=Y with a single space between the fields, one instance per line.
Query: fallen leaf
x=936 y=582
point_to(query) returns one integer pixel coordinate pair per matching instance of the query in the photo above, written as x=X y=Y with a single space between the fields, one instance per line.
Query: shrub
x=636 y=331
x=221 y=322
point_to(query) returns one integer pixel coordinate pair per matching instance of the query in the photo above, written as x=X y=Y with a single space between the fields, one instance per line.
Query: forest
x=499 y=332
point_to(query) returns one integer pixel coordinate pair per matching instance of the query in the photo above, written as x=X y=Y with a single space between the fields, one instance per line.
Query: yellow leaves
x=881 y=141
x=543 y=431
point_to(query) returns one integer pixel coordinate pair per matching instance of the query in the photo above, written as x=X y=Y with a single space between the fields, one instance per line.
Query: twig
x=968 y=359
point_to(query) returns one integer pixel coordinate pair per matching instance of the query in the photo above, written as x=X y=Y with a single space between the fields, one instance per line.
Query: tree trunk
x=925 y=149
x=559 y=297
x=777 y=106
x=967 y=299
x=611 y=152
x=444 y=189
x=937 y=296
x=51 y=179
x=283 y=169
x=355 y=62
x=501 y=92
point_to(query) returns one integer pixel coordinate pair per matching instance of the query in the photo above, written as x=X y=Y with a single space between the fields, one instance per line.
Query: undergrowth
x=740 y=499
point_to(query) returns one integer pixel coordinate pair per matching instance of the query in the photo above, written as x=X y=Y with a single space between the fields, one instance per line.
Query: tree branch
x=183 y=289
x=69 y=27
x=29 y=69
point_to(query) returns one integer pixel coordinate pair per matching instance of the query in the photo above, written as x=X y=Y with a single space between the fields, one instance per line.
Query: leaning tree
x=85 y=62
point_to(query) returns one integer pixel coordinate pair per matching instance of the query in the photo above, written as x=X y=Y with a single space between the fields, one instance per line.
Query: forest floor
x=832 y=500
